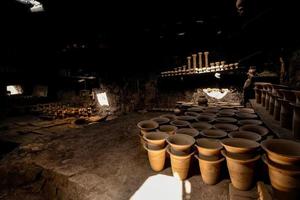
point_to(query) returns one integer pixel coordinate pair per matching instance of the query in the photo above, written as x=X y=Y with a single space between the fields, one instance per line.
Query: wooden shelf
x=270 y=122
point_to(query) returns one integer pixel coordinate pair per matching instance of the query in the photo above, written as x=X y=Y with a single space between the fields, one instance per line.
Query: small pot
x=226 y=127
x=157 y=139
x=240 y=145
x=147 y=125
x=170 y=129
x=188 y=131
x=262 y=131
x=156 y=158
x=181 y=142
x=214 y=133
x=209 y=147
x=246 y=135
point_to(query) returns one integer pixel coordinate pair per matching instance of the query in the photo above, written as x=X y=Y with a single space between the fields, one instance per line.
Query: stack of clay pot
x=283 y=161
x=146 y=126
x=181 y=150
x=286 y=118
x=241 y=158
x=210 y=159
x=296 y=115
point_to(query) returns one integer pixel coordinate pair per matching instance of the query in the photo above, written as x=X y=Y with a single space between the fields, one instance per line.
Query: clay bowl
x=245 y=134
x=246 y=110
x=209 y=147
x=262 y=131
x=161 y=120
x=226 y=127
x=180 y=123
x=171 y=117
x=181 y=142
x=201 y=125
x=188 y=131
x=193 y=114
x=245 y=115
x=213 y=133
x=225 y=120
x=250 y=122
x=156 y=138
x=170 y=129
x=282 y=151
x=187 y=118
x=240 y=145
x=147 y=125
x=205 y=118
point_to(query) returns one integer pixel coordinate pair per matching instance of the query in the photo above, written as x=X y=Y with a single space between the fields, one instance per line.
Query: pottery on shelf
x=250 y=122
x=245 y=134
x=180 y=123
x=181 y=142
x=170 y=129
x=209 y=147
x=156 y=139
x=161 y=120
x=240 y=145
x=214 y=133
x=282 y=151
x=241 y=171
x=262 y=131
x=225 y=120
x=242 y=115
x=226 y=127
x=156 y=158
x=188 y=131
x=147 y=125
x=201 y=126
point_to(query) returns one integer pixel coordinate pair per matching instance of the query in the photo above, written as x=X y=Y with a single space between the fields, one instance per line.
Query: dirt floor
x=61 y=160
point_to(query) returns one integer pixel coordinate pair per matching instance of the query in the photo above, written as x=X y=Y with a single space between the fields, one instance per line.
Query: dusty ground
x=91 y=162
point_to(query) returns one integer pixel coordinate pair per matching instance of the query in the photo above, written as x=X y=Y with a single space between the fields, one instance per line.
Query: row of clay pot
x=281 y=102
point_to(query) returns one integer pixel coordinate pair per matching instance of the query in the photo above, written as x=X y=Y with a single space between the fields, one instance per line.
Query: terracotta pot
x=242 y=115
x=201 y=126
x=181 y=142
x=246 y=135
x=147 y=125
x=282 y=151
x=206 y=118
x=187 y=118
x=226 y=127
x=161 y=120
x=156 y=158
x=285 y=180
x=225 y=120
x=296 y=120
x=157 y=139
x=170 y=129
x=226 y=110
x=188 y=131
x=197 y=109
x=241 y=172
x=262 y=131
x=240 y=145
x=225 y=114
x=211 y=110
x=209 y=147
x=180 y=164
x=210 y=170
x=180 y=123
x=171 y=117
x=250 y=122
x=286 y=117
x=214 y=133
x=208 y=114
x=193 y=114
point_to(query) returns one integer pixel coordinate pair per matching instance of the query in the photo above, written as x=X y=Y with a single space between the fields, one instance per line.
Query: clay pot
x=205 y=118
x=156 y=158
x=197 y=109
x=284 y=179
x=211 y=110
x=241 y=172
x=180 y=123
x=210 y=170
x=250 y=122
x=226 y=114
x=214 y=133
x=296 y=120
x=226 y=127
x=157 y=139
x=161 y=120
x=286 y=118
x=246 y=110
x=187 y=118
x=188 y=131
x=181 y=142
x=282 y=151
x=180 y=164
x=225 y=120
x=193 y=114
x=208 y=114
x=262 y=131
x=201 y=126
x=170 y=129
x=242 y=115
x=142 y=141
x=147 y=125
x=171 y=117
x=209 y=147
x=240 y=145
x=228 y=110
x=245 y=135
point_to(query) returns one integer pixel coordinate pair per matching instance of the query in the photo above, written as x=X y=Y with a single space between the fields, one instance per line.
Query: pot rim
x=272 y=165
x=209 y=161
x=255 y=158
x=177 y=156
x=263 y=145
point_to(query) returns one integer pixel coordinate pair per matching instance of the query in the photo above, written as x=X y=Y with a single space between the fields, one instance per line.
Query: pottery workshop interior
x=190 y=100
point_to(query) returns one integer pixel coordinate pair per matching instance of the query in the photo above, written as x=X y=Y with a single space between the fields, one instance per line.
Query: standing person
x=248 y=88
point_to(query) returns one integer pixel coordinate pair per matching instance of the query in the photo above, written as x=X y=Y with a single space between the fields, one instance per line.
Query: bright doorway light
x=14 y=89
x=102 y=99
x=216 y=92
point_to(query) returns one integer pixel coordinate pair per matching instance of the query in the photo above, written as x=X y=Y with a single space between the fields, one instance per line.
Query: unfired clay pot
x=201 y=126
x=250 y=122
x=188 y=131
x=242 y=115
x=226 y=127
x=180 y=164
x=170 y=129
x=181 y=142
x=225 y=120
x=240 y=145
x=161 y=120
x=284 y=179
x=282 y=151
x=180 y=123
x=156 y=158
x=246 y=135
x=157 y=139
x=241 y=172
x=209 y=147
x=214 y=133
x=262 y=131
x=210 y=170
x=147 y=126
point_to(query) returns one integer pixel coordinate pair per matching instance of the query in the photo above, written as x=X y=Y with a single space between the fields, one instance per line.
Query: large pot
x=156 y=139
x=181 y=142
x=156 y=158
x=147 y=126
x=240 y=145
x=209 y=147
